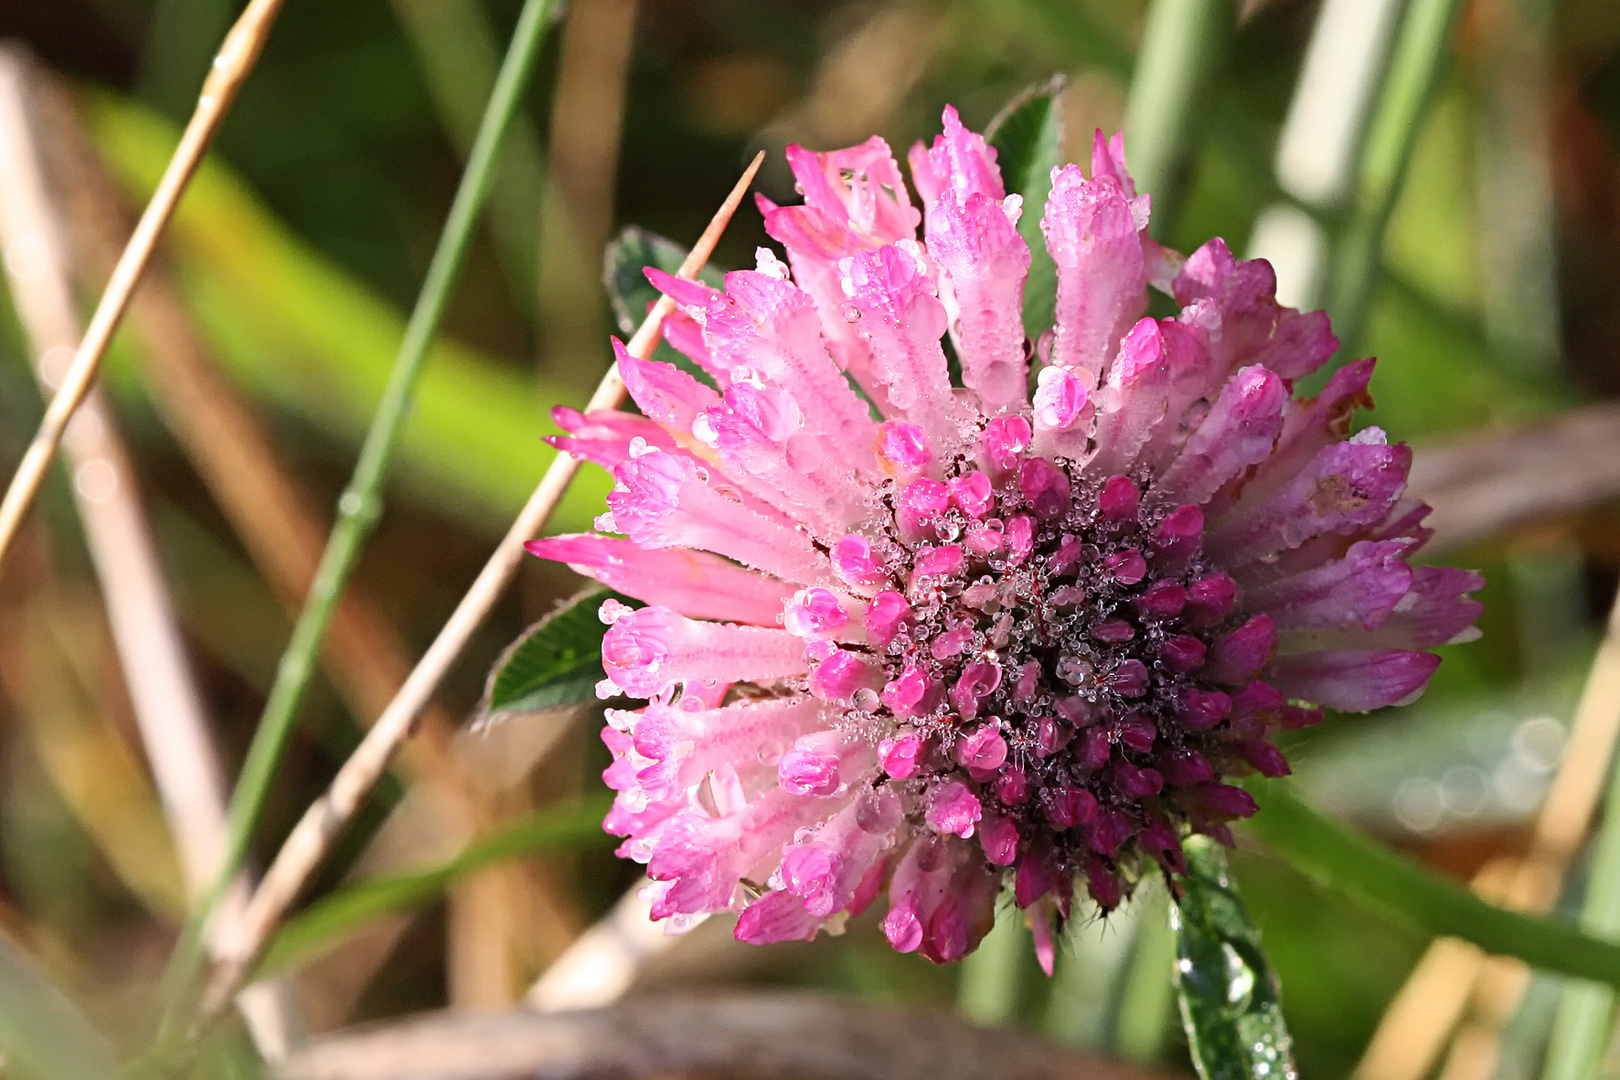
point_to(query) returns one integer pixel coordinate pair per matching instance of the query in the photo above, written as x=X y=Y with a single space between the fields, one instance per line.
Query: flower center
x=1050 y=659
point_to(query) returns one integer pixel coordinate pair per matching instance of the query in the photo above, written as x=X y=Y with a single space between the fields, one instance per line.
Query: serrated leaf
x=555 y=663
x=328 y=921
x=631 y=252
x=1028 y=138
x=1229 y=994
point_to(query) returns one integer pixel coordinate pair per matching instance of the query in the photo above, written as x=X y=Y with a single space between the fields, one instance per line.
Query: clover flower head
x=911 y=637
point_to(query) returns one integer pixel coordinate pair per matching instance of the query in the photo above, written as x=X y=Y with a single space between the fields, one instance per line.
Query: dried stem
x=605 y=961
x=576 y=206
x=230 y=69
x=312 y=837
x=236 y=460
x=757 y=1036
x=223 y=439
x=1485 y=485
x=168 y=708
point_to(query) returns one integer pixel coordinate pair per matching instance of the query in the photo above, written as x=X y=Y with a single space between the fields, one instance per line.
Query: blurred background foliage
x=303 y=242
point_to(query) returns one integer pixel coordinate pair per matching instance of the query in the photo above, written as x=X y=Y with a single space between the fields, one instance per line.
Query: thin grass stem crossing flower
x=911 y=638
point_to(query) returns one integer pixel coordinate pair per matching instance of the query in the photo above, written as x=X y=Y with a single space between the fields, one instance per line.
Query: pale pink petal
x=1063 y=413
x=1092 y=233
x=983 y=263
x=860 y=185
x=1131 y=402
x=604 y=437
x=1239 y=431
x=776 y=916
x=826 y=867
x=1361 y=588
x=665 y=393
x=648 y=650
x=679 y=747
x=959 y=161
x=762 y=438
x=892 y=292
x=1348 y=485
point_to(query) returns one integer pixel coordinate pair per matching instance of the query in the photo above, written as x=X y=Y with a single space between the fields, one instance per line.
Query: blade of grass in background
x=1586 y=1013
x=1182 y=46
x=331 y=919
x=1340 y=858
x=295 y=330
x=43 y=1035
x=1422 y=48
x=360 y=505
x=991 y=977
x=457 y=50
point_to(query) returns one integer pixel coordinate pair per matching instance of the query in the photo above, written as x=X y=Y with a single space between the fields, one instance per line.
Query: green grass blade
x=1585 y=1018
x=1229 y=994
x=990 y=979
x=1348 y=861
x=459 y=56
x=43 y=1035
x=1181 y=45
x=1421 y=48
x=328 y=921
x=1028 y=139
x=297 y=333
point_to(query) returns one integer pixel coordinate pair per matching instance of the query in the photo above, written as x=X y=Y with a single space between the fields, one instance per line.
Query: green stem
x=360 y=504
x=457 y=50
x=1421 y=49
x=1180 y=46
x=1339 y=857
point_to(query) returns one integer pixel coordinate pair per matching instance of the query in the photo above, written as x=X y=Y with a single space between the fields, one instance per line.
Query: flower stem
x=360 y=504
x=1421 y=49
x=1180 y=48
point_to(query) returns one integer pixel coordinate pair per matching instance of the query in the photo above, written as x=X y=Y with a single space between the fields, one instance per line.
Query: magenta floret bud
x=904 y=448
x=854 y=563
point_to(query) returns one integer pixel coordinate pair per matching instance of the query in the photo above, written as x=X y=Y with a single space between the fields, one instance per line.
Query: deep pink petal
x=696 y=584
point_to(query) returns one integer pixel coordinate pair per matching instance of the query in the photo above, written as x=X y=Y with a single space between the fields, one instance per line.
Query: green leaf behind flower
x=1229 y=994
x=1028 y=139
x=630 y=253
x=557 y=662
